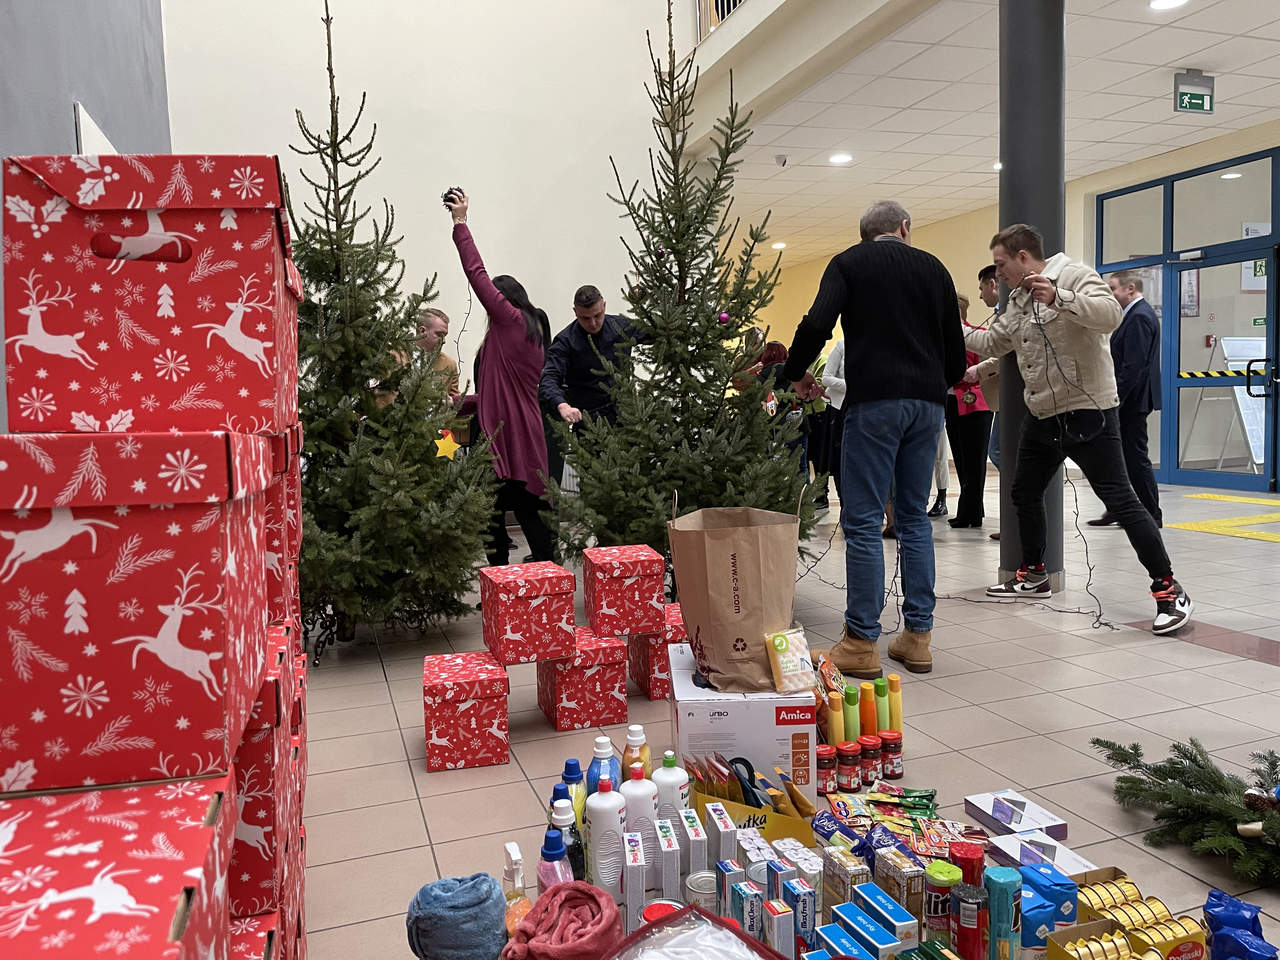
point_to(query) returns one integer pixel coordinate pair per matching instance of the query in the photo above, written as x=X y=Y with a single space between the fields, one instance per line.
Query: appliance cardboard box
x=150 y=287
x=769 y=729
x=1035 y=846
x=105 y=870
x=134 y=599
x=1007 y=811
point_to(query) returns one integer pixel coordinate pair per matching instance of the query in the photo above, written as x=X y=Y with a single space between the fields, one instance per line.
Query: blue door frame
x=1170 y=259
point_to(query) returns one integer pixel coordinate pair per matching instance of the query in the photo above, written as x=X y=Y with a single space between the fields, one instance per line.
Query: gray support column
x=1032 y=190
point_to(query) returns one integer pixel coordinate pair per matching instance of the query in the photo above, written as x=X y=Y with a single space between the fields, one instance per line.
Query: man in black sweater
x=904 y=347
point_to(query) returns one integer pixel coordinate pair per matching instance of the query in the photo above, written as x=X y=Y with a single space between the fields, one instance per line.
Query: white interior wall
x=520 y=103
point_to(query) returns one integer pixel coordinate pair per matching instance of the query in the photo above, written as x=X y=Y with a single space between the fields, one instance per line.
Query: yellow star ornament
x=446 y=446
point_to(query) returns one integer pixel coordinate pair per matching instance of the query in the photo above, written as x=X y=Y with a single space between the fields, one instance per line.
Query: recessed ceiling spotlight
x=1231 y=176
x=1167 y=4
x=997 y=166
x=839 y=158
x=779 y=246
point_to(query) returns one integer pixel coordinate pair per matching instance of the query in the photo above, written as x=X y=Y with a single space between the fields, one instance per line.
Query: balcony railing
x=711 y=13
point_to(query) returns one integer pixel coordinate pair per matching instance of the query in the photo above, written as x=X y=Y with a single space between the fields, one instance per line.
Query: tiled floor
x=1015 y=696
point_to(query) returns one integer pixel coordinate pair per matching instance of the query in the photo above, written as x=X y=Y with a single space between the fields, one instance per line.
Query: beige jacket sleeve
x=1085 y=299
x=995 y=341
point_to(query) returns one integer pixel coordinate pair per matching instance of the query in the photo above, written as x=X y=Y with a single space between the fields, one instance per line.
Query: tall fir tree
x=392 y=532
x=691 y=414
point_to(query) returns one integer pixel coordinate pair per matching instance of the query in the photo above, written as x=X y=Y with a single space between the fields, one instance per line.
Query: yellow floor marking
x=1234 y=499
x=1234 y=526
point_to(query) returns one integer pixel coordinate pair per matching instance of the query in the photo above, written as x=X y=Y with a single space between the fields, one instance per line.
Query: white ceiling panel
x=836 y=87
x=936 y=143
x=916 y=120
x=1229 y=16
x=942 y=20
x=940 y=63
x=1087 y=38
x=1252 y=56
x=851 y=116
x=964 y=96
x=897 y=91
x=983 y=33
x=1095 y=73
x=883 y=57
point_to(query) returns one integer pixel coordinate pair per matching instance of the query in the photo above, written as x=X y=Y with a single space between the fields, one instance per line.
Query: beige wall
x=521 y=103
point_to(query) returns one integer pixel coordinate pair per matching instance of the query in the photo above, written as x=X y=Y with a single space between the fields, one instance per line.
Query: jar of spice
x=848 y=776
x=872 y=769
x=891 y=753
x=826 y=770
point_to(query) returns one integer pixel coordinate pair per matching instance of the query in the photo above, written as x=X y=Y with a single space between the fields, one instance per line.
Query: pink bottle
x=554 y=866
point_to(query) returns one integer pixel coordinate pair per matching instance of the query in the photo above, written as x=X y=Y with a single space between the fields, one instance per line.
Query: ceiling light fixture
x=1231 y=176
x=839 y=158
x=997 y=166
x=1167 y=4
x=779 y=246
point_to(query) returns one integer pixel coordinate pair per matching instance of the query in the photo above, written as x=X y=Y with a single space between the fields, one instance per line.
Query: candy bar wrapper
x=693 y=844
x=633 y=878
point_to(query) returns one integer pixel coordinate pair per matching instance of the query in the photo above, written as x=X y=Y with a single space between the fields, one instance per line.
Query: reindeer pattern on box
x=134 y=604
x=464 y=698
x=158 y=287
x=623 y=590
x=526 y=612
x=588 y=689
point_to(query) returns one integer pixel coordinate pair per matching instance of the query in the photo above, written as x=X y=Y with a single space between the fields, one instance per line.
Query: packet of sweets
x=789 y=659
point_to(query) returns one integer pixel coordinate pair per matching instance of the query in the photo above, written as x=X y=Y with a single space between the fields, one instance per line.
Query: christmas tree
x=1199 y=805
x=691 y=417
x=392 y=531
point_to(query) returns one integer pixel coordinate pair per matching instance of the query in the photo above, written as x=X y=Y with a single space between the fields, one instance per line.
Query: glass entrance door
x=1219 y=425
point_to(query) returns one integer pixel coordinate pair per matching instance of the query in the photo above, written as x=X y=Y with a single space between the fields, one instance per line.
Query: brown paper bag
x=735 y=570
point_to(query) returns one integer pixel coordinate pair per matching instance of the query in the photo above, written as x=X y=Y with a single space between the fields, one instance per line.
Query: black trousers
x=835 y=446
x=968 y=435
x=1092 y=439
x=1137 y=462
x=555 y=456
x=513 y=495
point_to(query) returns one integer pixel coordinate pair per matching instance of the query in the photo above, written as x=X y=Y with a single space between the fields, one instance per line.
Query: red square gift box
x=649 y=658
x=526 y=611
x=588 y=689
x=265 y=811
x=464 y=699
x=624 y=588
x=134 y=604
x=256 y=938
x=153 y=291
x=113 y=870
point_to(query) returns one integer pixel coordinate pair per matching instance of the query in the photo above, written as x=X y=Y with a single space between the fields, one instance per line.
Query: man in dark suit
x=1135 y=350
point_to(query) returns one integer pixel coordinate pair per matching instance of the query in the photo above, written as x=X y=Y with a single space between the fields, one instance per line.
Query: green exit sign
x=1259 y=321
x=1194 y=102
x=1259 y=268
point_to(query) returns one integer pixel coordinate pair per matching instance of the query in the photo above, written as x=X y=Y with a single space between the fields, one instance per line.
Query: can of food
x=970 y=858
x=700 y=890
x=655 y=910
x=758 y=872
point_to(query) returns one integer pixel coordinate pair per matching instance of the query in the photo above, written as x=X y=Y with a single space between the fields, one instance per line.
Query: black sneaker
x=1173 y=606
x=1032 y=584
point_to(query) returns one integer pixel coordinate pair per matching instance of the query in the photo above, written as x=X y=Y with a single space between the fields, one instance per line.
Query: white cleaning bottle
x=673 y=788
x=604 y=820
x=642 y=809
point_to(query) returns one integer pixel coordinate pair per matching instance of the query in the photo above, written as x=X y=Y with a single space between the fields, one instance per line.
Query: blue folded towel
x=458 y=918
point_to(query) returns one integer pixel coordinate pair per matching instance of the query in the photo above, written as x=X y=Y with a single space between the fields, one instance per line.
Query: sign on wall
x=1253 y=273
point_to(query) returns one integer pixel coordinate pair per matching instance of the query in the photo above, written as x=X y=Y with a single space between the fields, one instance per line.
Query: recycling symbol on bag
x=740 y=644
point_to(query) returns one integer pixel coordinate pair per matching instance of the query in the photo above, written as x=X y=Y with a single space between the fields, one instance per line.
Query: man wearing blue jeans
x=904 y=348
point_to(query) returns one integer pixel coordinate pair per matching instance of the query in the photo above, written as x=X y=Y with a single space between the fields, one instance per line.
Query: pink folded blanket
x=571 y=921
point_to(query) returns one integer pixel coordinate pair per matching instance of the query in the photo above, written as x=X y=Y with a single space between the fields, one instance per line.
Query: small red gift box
x=527 y=612
x=134 y=599
x=464 y=699
x=110 y=870
x=649 y=660
x=266 y=814
x=156 y=290
x=256 y=938
x=589 y=689
x=624 y=589
x=294 y=907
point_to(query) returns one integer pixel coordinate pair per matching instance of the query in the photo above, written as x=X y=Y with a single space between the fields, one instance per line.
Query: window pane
x=1152 y=279
x=1220 y=303
x=1132 y=225
x=1225 y=205
x=1219 y=429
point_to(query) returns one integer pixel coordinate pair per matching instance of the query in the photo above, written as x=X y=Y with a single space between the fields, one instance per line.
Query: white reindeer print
x=272 y=563
x=252 y=834
x=606 y=610
x=108 y=897
x=248 y=347
x=31 y=544
x=512 y=635
x=435 y=740
x=8 y=828
x=192 y=663
x=153 y=240
x=568 y=704
x=37 y=337
x=496 y=730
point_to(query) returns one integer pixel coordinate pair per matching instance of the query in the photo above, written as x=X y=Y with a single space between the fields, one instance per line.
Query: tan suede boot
x=856 y=657
x=911 y=649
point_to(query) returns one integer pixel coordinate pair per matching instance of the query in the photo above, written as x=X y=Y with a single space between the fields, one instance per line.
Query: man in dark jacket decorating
x=903 y=349
x=1135 y=350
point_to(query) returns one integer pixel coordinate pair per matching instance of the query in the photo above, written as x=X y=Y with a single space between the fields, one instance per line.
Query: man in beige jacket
x=1059 y=321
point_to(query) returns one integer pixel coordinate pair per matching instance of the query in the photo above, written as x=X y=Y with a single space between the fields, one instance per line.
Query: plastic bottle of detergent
x=673 y=787
x=642 y=809
x=637 y=751
x=562 y=820
x=559 y=792
x=603 y=764
x=553 y=868
x=573 y=779
x=604 y=821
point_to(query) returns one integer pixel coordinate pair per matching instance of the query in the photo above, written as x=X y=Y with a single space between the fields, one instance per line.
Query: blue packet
x=1230 y=943
x=1222 y=910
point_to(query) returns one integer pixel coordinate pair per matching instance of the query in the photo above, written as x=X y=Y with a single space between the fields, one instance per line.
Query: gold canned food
x=1110 y=893
x=1138 y=913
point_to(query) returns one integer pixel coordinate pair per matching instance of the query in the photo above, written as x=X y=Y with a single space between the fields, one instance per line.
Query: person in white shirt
x=833 y=383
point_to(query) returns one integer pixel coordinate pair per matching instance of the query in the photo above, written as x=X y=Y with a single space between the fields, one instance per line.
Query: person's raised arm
x=500 y=310
x=994 y=341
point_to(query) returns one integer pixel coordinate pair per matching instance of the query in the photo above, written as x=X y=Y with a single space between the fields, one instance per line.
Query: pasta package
x=789 y=658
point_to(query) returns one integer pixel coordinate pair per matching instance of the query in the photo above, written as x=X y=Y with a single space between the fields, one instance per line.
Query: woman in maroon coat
x=508 y=367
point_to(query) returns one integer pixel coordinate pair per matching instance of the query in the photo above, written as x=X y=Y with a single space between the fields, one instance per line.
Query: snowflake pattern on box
x=105 y=872
x=526 y=612
x=588 y=689
x=251 y=937
x=135 y=604
x=465 y=708
x=623 y=589
x=649 y=661
x=140 y=301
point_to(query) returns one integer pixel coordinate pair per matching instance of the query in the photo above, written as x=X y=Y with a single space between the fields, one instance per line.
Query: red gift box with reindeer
x=256 y=938
x=649 y=659
x=623 y=589
x=464 y=697
x=155 y=290
x=266 y=815
x=526 y=612
x=588 y=689
x=131 y=581
x=138 y=870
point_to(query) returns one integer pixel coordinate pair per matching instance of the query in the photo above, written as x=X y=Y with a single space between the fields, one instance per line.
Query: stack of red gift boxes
x=152 y=738
x=527 y=613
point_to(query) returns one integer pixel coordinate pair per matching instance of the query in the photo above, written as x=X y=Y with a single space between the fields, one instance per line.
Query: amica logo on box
x=793 y=715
